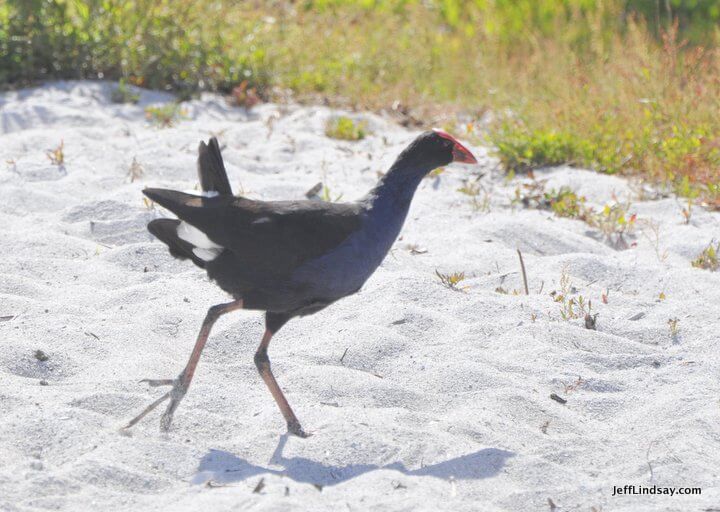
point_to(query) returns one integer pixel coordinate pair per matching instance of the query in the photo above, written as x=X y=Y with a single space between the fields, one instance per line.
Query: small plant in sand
x=685 y=189
x=326 y=195
x=123 y=94
x=435 y=173
x=473 y=189
x=504 y=291
x=674 y=325
x=709 y=258
x=574 y=385
x=615 y=223
x=563 y=202
x=245 y=96
x=164 y=116
x=712 y=197
x=135 y=171
x=530 y=194
x=344 y=128
x=651 y=230
x=571 y=307
x=481 y=204
x=687 y=211
x=566 y=203
x=452 y=281
x=57 y=155
x=470 y=188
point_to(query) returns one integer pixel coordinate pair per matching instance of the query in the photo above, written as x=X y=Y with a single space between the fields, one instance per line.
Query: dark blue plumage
x=288 y=258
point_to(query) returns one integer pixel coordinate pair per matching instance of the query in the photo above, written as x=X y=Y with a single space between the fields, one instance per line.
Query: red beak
x=460 y=153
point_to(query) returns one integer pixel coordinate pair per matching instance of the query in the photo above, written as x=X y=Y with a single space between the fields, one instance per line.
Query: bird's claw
x=176 y=394
x=295 y=429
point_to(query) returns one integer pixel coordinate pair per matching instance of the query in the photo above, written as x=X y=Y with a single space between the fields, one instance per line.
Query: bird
x=286 y=258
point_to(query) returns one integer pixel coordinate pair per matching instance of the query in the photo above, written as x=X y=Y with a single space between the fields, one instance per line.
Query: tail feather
x=211 y=170
x=166 y=230
x=177 y=202
x=185 y=238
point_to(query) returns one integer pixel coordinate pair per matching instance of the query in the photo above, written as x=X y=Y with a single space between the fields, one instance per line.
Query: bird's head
x=442 y=143
x=433 y=149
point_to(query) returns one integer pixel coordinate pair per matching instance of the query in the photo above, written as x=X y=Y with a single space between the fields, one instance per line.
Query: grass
x=614 y=221
x=344 y=128
x=565 y=203
x=57 y=155
x=452 y=280
x=611 y=85
x=571 y=304
x=123 y=94
x=164 y=116
x=709 y=258
x=135 y=171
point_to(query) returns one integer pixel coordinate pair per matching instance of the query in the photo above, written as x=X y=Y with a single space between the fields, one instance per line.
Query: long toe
x=176 y=395
x=167 y=417
x=158 y=382
x=166 y=421
x=147 y=410
x=295 y=429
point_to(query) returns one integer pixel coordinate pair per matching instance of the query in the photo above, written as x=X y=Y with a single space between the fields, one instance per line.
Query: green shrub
x=709 y=258
x=122 y=94
x=164 y=116
x=566 y=203
x=344 y=128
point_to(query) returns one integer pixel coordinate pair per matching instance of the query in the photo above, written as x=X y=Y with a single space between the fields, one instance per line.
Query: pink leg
x=181 y=384
x=262 y=361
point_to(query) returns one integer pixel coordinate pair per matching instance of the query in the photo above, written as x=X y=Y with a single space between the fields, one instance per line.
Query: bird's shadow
x=223 y=467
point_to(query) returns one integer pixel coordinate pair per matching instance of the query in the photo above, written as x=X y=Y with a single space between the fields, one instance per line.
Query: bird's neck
x=397 y=187
x=389 y=202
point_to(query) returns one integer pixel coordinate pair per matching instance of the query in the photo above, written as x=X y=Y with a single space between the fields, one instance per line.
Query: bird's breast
x=344 y=270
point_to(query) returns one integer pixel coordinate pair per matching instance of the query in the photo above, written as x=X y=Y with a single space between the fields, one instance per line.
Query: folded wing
x=271 y=238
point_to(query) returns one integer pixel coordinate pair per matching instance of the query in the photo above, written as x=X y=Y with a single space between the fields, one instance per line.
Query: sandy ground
x=442 y=400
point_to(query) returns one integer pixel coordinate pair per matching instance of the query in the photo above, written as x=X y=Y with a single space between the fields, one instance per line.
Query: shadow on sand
x=224 y=467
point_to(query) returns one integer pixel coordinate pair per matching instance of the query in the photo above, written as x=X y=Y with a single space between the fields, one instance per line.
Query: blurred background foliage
x=628 y=86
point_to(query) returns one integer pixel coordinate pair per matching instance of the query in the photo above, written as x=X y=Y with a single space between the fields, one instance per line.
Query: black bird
x=287 y=258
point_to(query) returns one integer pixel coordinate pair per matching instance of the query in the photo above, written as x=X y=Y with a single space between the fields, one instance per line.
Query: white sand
x=442 y=397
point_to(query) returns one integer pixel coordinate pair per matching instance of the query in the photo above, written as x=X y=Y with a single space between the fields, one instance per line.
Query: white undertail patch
x=203 y=247
x=205 y=193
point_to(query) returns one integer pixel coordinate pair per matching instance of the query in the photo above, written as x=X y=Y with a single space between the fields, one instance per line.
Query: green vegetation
x=164 y=116
x=452 y=280
x=122 y=94
x=57 y=155
x=521 y=151
x=614 y=222
x=565 y=203
x=622 y=86
x=327 y=196
x=709 y=258
x=344 y=128
x=571 y=304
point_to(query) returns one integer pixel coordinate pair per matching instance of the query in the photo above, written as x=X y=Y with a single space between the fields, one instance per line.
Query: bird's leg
x=181 y=384
x=262 y=361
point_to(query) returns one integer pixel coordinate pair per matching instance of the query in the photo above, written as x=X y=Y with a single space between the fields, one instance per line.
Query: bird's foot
x=176 y=394
x=295 y=429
